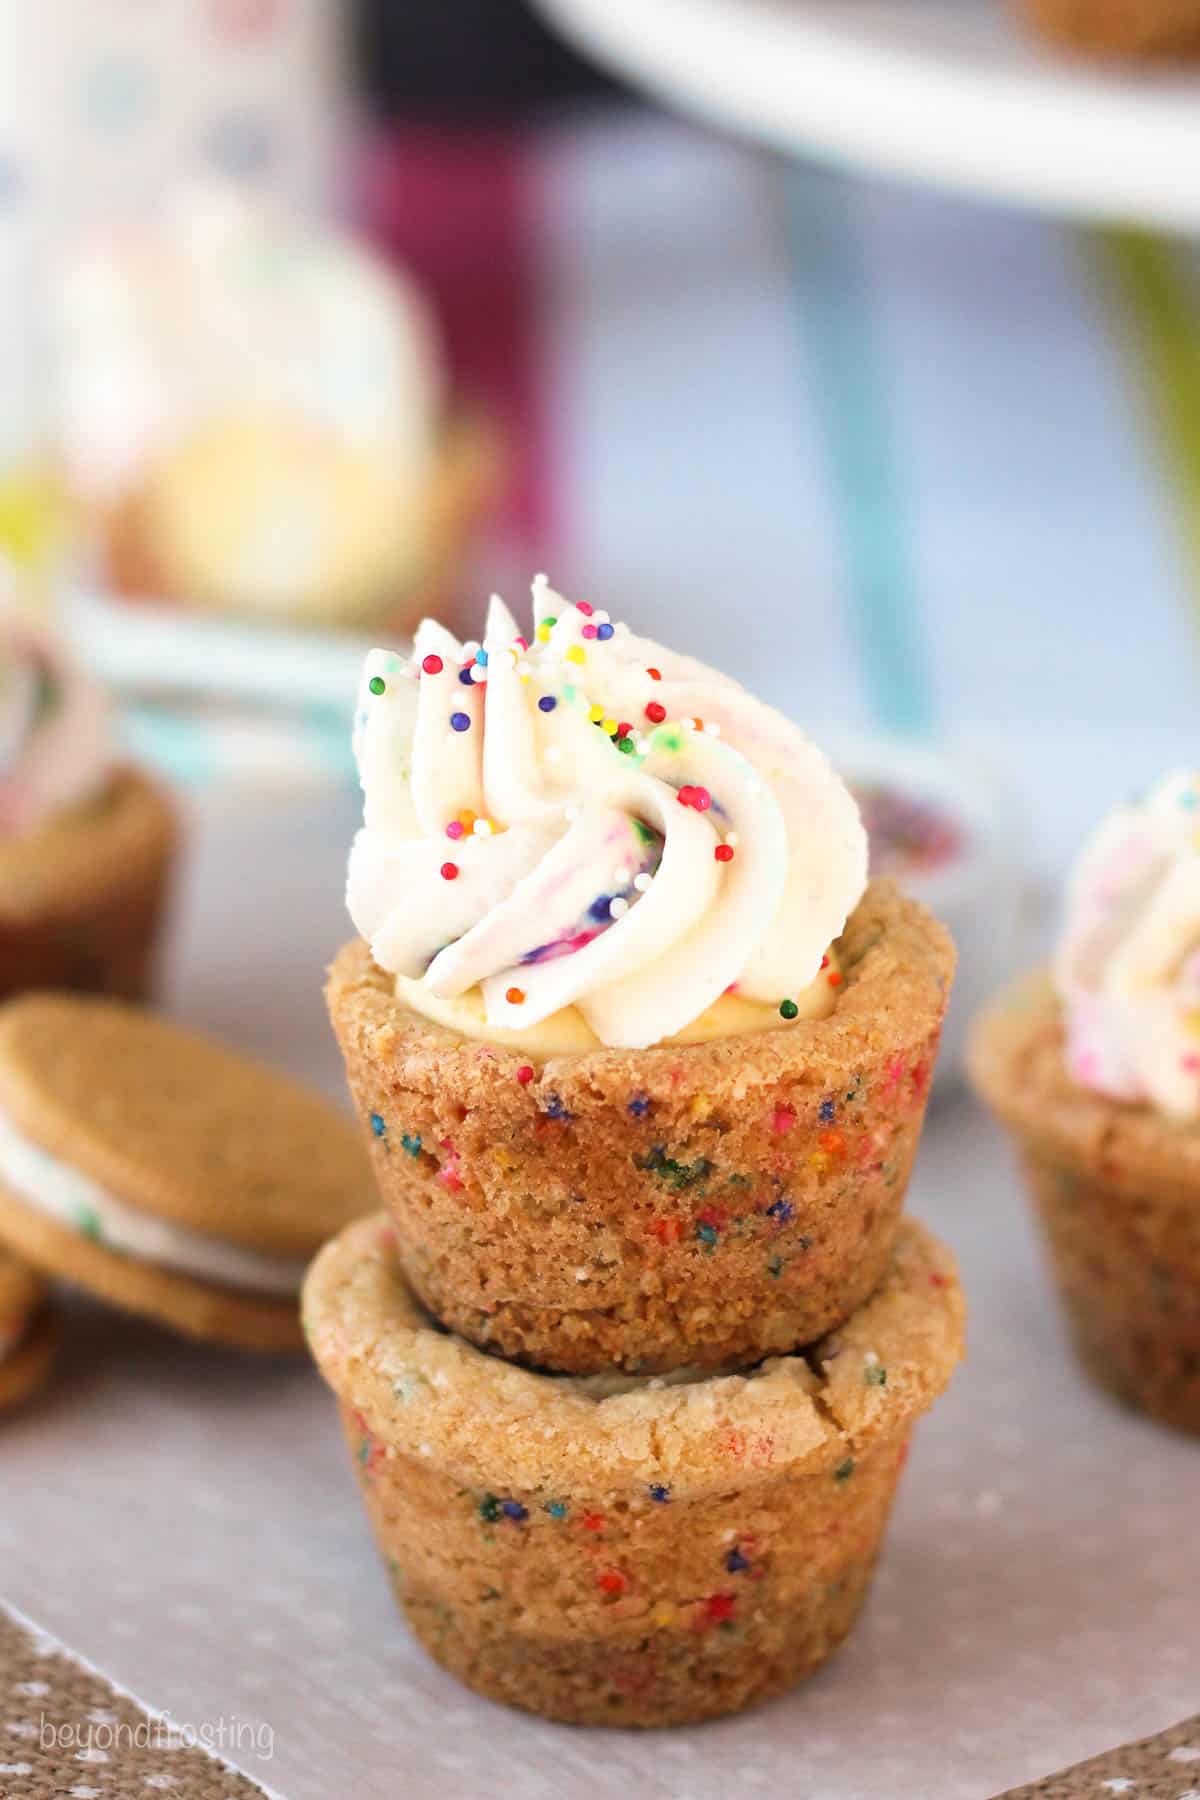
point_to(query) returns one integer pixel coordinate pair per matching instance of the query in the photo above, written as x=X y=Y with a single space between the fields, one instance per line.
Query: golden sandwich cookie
x=164 y=1173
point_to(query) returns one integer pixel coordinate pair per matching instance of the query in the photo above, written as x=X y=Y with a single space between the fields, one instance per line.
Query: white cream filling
x=52 y=1187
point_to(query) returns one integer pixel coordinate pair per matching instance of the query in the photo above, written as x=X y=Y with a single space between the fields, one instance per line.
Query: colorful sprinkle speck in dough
x=378 y=1125
x=675 y=1174
x=719 y=1609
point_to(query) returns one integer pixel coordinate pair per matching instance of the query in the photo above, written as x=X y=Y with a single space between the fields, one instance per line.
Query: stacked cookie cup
x=630 y=1365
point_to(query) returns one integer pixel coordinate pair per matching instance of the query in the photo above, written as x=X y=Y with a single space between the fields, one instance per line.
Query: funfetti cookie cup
x=705 y=1204
x=624 y=1551
x=82 y=896
x=1116 y=1189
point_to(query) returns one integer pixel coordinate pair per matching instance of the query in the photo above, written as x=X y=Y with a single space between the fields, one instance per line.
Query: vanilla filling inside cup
x=567 y=1032
x=41 y=1181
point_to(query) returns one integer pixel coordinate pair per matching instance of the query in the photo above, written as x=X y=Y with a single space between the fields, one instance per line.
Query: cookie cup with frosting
x=1115 y=1188
x=631 y=1551
x=87 y=844
x=641 y=1069
x=1094 y=1067
x=699 y=1203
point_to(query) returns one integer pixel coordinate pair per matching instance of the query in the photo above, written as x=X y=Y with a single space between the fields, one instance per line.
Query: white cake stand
x=952 y=92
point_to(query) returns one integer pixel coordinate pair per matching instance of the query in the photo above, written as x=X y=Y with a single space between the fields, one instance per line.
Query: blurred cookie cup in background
x=1095 y=1069
x=254 y=417
x=87 y=843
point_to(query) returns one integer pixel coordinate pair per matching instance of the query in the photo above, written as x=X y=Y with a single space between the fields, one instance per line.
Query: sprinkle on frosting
x=741 y=852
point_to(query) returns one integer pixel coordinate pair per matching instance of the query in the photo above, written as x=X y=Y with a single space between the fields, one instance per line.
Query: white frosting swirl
x=1127 y=966
x=512 y=844
x=56 y=740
